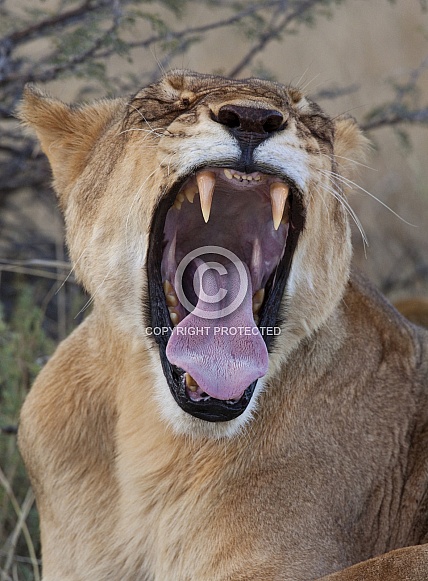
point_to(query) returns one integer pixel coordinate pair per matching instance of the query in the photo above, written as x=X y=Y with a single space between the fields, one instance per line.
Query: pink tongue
x=224 y=354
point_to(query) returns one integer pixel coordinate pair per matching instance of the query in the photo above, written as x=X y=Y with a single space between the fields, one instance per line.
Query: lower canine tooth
x=278 y=195
x=206 y=185
x=190 y=382
x=173 y=315
x=258 y=300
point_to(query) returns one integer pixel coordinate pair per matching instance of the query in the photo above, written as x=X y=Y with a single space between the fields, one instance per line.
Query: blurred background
x=369 y=59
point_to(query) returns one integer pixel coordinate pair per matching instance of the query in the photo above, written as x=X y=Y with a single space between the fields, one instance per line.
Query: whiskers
x=336 y=193
x=157 y=131
x=353 y=185
x=91 y=300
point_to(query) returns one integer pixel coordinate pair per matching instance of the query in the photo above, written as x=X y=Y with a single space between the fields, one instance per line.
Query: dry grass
x=27 y=338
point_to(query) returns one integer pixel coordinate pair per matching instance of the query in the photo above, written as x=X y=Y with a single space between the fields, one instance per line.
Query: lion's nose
x=250 y=119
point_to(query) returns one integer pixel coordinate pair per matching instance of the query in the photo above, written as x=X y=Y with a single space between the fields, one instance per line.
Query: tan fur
x=329 y=470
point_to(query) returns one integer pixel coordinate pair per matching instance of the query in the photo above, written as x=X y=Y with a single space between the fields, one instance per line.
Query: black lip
x=212 y=410
x=157 y=314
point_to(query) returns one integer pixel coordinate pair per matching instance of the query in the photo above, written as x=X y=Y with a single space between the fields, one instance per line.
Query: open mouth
x=220 y=252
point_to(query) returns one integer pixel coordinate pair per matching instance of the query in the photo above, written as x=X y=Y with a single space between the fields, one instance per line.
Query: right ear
x=66 y=134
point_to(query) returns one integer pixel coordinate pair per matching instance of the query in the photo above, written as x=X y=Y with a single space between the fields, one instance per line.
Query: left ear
x=66 y=134
x=350 y=146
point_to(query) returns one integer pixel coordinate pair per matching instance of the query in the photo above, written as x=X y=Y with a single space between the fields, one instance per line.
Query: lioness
x=237 y=406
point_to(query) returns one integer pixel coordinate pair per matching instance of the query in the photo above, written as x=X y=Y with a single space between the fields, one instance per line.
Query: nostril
x=228 y=117
x=273 y=122
x=250 y=119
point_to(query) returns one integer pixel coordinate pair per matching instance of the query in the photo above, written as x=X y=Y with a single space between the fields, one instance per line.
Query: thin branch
x=388 y=118
x=334 y=92
x=60 y=20
x=272 y=33
x=37 y=273
x=9 y=430
x=5 y=113
x=73 y=62
x=57 y=264
x=197 y=30
x=22 y=524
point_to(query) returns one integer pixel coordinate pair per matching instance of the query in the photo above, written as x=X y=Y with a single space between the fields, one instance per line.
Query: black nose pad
x=250 y=120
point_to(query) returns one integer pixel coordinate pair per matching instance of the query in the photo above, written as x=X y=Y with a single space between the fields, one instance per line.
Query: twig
x=9 y=430
x=334 y=92
x=388 y=118
x=63 y=265
x=197 y=30
x=273 y=32
x=34 y=272
x=73 y=62
x=22 y=515
x=60 y=20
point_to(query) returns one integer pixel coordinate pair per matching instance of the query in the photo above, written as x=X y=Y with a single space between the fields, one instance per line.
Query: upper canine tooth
x=278 y=196
x=206 y=185
x=228 y=174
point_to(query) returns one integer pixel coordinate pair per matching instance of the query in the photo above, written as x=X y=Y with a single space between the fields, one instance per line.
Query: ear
x=67 y=134
x=350 y=146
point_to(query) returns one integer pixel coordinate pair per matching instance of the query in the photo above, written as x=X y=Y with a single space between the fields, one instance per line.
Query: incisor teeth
x=206 y=185
x=177 y=204
x=241 y=177
x=278 y=196
x=190 y=382
x=190 y=193
x=180 y=197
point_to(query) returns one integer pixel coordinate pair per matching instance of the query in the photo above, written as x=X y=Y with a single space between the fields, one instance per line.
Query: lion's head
x=207 y=216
